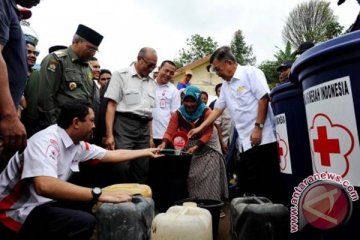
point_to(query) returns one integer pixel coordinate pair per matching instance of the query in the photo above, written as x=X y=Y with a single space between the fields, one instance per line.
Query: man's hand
x=194 y=131
x=152 y=144
x=109 y=142
x=13 y=132
x=153 y=152
x=115 y=196
x=255 y=137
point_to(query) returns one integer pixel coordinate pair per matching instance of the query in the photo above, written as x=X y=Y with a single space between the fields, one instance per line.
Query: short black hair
x=222 y=53
x=203 y=92
x=218 y=86
x=169 y=62
x=102 y=71
x=73 y=109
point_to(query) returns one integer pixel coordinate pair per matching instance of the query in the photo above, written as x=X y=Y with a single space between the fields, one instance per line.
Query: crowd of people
x=71 y=127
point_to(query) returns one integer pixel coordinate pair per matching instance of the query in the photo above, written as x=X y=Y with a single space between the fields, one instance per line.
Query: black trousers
x=259 y=173
x=130 y=133
x=56 y=221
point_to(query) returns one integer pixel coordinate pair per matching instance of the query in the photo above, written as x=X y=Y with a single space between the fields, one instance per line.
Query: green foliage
x=269 y=69
x=284 y=55
x=243 y=53
x=312 y=21
x=198 y=47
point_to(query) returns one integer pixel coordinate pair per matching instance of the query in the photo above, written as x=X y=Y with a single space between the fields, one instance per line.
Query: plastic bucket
x=291 y=135
x=329 y=75
x=213 y=206
x=167 y=179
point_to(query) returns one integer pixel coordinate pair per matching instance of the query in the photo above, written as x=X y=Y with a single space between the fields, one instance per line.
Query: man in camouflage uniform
x=66 y=75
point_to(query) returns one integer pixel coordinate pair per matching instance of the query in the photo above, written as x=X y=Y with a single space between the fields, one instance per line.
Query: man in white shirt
x=131 y=98
x=36 y=201
x=167 y=100
x=245 y=94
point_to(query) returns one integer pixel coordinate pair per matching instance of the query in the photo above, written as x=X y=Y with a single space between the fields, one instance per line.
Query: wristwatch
x=259 y=125
x=96 y=192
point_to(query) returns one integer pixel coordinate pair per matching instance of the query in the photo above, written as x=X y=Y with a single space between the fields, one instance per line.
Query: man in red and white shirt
x=35 y=198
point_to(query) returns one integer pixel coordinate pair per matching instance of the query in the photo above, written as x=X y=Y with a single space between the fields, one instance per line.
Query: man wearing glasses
x=66 y=75
x=131 y=94
x=245 y=94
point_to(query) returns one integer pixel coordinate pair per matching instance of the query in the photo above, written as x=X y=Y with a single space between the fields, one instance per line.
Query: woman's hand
x=192 y=149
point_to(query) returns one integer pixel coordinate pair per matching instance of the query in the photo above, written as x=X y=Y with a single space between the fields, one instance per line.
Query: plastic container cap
x=189 y=204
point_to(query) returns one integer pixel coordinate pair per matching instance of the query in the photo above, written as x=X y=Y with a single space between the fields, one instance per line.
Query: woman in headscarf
x=207 y=174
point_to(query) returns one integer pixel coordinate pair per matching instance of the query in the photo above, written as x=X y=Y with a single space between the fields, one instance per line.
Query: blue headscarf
x=194 y=92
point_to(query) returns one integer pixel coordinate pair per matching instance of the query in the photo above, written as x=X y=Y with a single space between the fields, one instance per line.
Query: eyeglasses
x=149 y=65
x=216 y=69
x=36 y=53
x=105 y=79
x=92 y=49
x=89 y=47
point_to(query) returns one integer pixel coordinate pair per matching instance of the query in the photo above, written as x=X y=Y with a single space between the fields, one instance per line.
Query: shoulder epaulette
x=60 y=53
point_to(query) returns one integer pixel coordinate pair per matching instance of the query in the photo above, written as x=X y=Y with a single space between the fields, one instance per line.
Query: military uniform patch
x=72 y=86
x=52 y=67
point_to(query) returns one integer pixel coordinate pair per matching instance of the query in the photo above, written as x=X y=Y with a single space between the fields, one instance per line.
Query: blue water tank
x=330 y=77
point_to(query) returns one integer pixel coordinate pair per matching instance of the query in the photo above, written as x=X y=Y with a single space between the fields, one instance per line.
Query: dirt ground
x=224 y=224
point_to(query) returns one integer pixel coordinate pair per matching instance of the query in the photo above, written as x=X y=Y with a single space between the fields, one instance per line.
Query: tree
x=312 y=21
x=243 y=53
x=198 y=47
x=270 y=67
x=284 y=55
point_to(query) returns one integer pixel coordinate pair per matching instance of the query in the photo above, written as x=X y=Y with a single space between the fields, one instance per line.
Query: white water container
x=187 y=222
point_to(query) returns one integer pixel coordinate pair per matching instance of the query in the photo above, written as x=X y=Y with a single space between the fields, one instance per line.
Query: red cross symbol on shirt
x=280 y=149
x=325 y=146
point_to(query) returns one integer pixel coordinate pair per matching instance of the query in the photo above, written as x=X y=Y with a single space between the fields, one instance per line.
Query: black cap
x=90 y=35
x=56 y=47
x=303 y=47
x=284 y=65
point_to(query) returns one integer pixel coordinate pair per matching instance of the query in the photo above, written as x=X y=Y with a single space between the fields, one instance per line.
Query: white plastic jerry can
x=187 y=222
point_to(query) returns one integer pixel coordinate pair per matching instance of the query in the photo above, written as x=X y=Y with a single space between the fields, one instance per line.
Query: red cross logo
x=283 y=151
x=325 y=146
x=331 y=145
